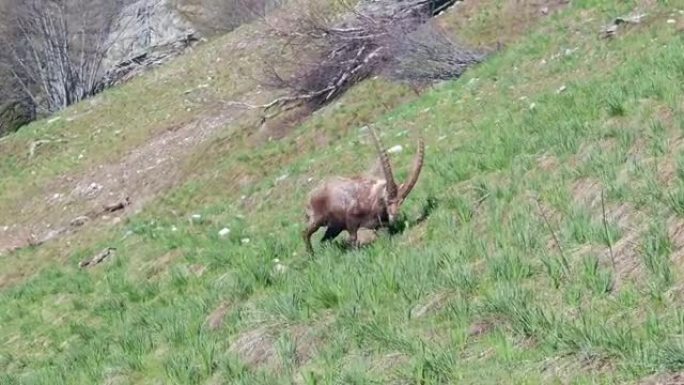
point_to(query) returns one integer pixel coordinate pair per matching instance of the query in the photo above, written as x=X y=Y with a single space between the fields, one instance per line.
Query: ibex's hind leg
x=331 y=232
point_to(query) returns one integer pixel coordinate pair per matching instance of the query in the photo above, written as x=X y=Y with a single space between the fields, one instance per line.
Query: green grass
x=566 y=292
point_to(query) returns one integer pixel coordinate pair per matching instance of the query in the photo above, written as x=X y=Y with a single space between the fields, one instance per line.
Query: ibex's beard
x=380 y=190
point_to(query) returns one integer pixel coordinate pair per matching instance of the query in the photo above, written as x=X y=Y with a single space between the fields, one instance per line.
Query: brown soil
x=106 y=193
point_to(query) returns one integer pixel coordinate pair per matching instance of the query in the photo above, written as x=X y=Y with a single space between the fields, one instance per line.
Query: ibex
x=342 y=203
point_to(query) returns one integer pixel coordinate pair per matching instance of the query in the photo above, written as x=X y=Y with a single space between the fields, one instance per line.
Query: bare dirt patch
x=390 y=362
x=623 y=254
x=481 y=327
x=106 y=193
x=548 y=162
x=215 y=319
x=152 y=269
x=261 y=347
x=587 y=192
x=675 y=232
x=664 y=379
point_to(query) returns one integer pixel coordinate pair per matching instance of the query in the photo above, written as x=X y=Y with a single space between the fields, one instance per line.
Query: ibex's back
x=351 y=203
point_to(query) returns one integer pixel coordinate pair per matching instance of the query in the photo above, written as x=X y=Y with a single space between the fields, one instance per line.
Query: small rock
x=561 y=89
x=671 y=21
x=174 y=229
x=441 y=138
x=395 y=149
x=88 y=191
x=196 y=217
x=544 y=10
x=244 y=241
x=116 y=220
x=609 y=31
x=280 y=269
x=309 y=180
x=224 y=232
x=533 y=106
x=57 y=197
x=281 y=178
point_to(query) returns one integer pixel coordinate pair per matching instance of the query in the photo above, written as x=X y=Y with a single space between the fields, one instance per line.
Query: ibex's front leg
x=354 y=237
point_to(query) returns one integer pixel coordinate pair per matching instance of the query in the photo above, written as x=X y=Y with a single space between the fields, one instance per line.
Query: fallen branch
x=118 y=205
x=98 y=258
x=606 y=232
x=34 y=145
x=556 y=240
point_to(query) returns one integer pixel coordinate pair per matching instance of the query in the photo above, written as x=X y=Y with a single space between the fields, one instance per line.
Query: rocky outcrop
x=148 y=33
x=14 y=114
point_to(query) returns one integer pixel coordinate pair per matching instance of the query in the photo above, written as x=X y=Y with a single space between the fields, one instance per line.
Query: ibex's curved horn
x=386 y=166
x=417 y=167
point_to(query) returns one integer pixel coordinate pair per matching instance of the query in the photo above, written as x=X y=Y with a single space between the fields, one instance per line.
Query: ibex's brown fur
x=349 y=204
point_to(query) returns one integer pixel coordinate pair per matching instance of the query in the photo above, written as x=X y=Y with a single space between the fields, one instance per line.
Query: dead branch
x=556 y=240
x=34 y=145
x=97 y=258
x=607 y=233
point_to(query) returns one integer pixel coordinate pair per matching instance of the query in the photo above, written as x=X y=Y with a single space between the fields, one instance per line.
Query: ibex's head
x=395 y=195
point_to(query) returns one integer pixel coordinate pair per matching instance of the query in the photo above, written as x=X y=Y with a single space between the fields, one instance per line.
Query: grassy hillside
x=551 y=249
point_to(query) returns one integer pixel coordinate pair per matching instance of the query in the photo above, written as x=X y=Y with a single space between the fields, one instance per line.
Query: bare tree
x=54 y=49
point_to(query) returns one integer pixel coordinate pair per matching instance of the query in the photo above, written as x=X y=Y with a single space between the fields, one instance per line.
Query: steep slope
x=550 y=249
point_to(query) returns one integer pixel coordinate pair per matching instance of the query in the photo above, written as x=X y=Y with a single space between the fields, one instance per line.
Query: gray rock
x=149 y=33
